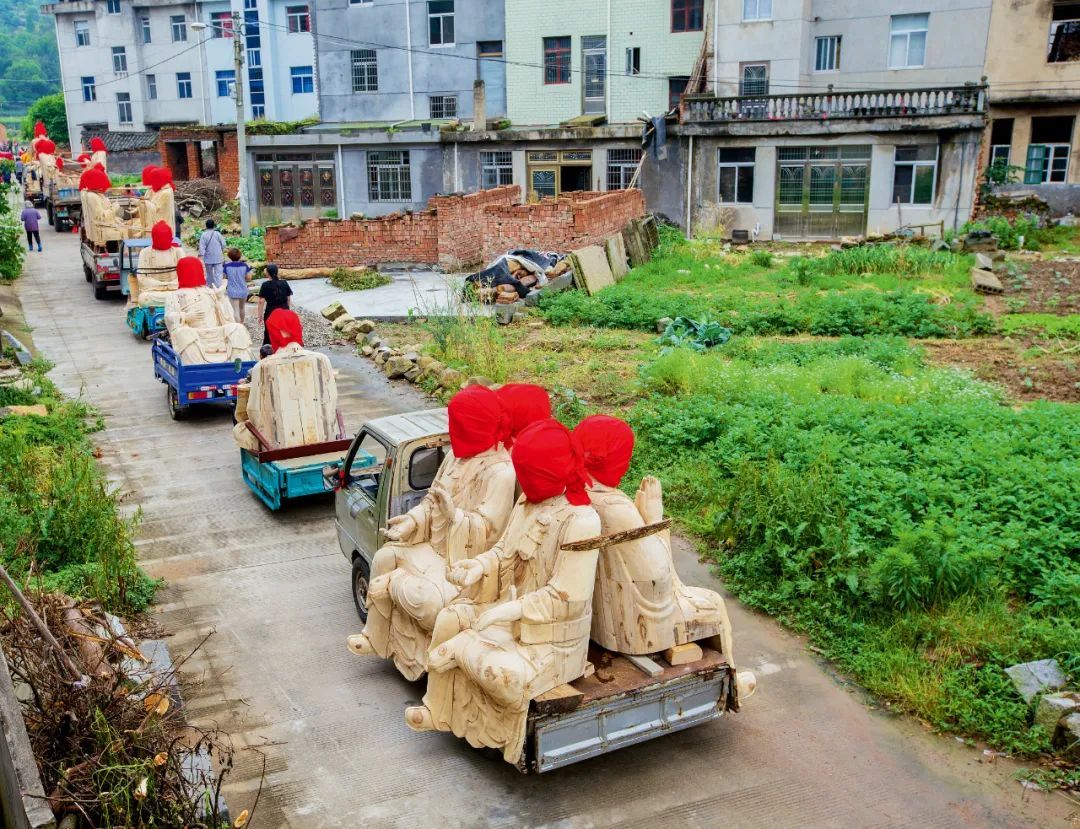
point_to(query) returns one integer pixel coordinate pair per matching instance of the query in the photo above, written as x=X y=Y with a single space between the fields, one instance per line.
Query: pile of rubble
x=1057 y=710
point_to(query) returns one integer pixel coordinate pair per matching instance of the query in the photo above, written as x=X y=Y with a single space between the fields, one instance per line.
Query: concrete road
x=417 y=292
x=274 y=589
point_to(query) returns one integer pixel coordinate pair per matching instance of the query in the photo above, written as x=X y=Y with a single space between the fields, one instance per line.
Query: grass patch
x=1048 y=325
x=348 y=279
x=59 y=519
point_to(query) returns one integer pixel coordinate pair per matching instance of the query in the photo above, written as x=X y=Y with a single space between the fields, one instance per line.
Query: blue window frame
x=226 y=80
x=183 y=84
x=89 y=88
x=303 y=79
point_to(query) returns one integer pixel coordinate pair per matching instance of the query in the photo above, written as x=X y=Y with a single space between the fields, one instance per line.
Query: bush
x=12 y=244
x=347 y=279
x=50 y=110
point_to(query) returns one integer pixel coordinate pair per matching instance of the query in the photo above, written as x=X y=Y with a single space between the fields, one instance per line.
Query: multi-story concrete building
x=132 y=66
x=390 y=76
x=1033 y=67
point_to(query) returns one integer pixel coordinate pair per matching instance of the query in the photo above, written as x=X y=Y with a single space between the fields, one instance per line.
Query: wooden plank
x=683 y=654
x=644 y=664
x=303 y=451
x=618 y=538
x=558 y=700
x=616 y=675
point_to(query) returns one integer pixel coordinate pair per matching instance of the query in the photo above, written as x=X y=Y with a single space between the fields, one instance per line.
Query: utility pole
x=241 y=127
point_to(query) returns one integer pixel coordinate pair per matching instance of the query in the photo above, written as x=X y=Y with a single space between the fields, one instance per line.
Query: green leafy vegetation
x=899 y=514
x=29 y=60
x=1049 y=325
x=280 y=127
x=349 y=279
x=59 y=519
x=50 y=110
x=252 y=247
x=12 y=247
x=874 y=290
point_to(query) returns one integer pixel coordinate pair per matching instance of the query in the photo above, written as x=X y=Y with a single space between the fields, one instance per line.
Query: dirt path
x=274 y=589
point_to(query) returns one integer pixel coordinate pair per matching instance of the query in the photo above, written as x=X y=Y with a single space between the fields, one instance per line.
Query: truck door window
x=424 y=465
x=366 y=463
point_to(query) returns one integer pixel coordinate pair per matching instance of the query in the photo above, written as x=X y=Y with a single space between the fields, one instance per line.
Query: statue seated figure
x=155 y=275
x=292 y=395
x=199 y=320
x=521 y=625
x=463 y=513
x=159 y=205
x=639 y=605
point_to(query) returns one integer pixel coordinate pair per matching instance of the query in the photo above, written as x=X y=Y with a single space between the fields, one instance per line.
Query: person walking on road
x=275 y=293
x=30 y=218
x=20 y=167
x=236 y=282
x=212 y=253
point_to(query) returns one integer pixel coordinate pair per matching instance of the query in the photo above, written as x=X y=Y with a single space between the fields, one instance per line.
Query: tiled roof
x=118 y=142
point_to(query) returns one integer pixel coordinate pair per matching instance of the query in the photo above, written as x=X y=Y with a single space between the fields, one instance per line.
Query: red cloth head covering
x=284 y=327
x=59 y=163
x=148 y=173
x=190 y=273
x=608 y=444
x=95 y=180
x=46 y=146
x=161 y=236
x=83 y=157
x=39 y=129
x=97 y=144
x=478 y=421
x=159 y=178
x=548 y=461
x=526 y=404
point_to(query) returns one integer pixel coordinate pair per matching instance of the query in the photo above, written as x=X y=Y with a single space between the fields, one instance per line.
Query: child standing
x=237 y=275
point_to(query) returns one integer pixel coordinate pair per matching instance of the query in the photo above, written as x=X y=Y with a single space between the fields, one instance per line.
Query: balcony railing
x=824 y=106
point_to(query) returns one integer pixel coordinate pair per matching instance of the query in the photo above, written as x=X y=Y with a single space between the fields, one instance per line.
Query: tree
x=51 y=111
x=24 y=82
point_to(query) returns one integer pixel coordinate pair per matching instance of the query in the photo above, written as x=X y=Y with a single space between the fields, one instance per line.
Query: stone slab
x=593 y=269
x=1033 y=678
x=616 y=255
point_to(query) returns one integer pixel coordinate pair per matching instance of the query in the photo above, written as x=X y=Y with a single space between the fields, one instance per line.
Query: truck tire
x=60 y=225
x=175 y=412
x=89 y=274
x=101 y=291
x=361 y=578
x=48 y=212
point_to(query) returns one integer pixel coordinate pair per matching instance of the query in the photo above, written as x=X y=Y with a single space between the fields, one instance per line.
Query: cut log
x=683 y=654
x=558 y=700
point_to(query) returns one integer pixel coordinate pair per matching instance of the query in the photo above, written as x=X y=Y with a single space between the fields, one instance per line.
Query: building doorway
x=821 y=192
x=553 y=172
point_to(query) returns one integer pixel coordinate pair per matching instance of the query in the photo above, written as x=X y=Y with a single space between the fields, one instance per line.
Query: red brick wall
x=176 y=144
x=561 y=224
x=447 y=234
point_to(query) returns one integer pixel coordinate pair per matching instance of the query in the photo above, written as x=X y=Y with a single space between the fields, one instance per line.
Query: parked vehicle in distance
x=387 y=471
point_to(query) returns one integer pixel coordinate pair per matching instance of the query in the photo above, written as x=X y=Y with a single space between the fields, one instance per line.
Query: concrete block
x=333 y=311
x=984 y=262
x=595 y=274
x=504 y=314
x=616 y=256
x=1053 y=708
x=1033 y=678
x=986 y=282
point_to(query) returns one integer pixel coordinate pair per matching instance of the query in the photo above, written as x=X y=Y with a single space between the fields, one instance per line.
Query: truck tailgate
x=621 y=706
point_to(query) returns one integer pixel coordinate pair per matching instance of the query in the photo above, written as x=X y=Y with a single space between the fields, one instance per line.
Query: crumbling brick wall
x=560 y=224
x=448 y=234
x=179 y=148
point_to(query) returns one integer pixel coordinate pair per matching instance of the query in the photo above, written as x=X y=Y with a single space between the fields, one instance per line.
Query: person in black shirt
x=275 y=293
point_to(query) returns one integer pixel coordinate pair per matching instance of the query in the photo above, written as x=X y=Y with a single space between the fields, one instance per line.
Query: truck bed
x=621 y=705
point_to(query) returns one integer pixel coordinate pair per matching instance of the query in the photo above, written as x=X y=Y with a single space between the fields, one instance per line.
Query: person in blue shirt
x=237 y=275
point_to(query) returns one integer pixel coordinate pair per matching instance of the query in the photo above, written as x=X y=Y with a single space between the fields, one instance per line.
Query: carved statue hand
x=466 y=573
x=443 y=502
x=502 y=614
x=399 y=527
x=650 y=500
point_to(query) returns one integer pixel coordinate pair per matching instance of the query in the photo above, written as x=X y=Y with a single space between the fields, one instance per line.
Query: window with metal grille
x=827 y=53
x=144 y=29
x=556 y=60
x=119 y=59
x=757 y=10
x=112 y=6
x=755 y=79
x=687 y=15
x=621 y=166
x=89 y=88
x=365 y=70
x=221 y=24
x=442 y=106
x=440 y=22
x=496 y=169
x=735 y=175
x=298 y=19
x=82 y=33
x=123 y=108
x=226 y=82
x=389 y=176
x=151 y=87
x=907 y=40
x=1064 y=42
x=915 y=174
x=183 y=84
x=179 y=27
x=303 y=79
